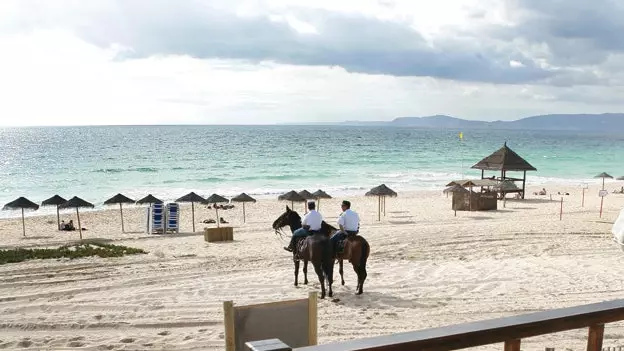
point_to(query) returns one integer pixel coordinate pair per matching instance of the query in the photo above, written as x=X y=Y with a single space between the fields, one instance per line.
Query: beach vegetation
x=68 y=251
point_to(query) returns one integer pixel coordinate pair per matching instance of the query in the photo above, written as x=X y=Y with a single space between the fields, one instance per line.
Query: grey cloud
x=358 y=44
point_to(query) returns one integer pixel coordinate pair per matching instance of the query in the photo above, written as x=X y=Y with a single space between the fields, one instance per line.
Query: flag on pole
x=461 y=136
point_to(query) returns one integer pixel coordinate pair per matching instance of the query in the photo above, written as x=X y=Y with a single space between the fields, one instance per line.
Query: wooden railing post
x=594 y=339
x=512 y=345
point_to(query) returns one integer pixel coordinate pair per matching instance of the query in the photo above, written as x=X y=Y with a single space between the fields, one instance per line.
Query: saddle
x=301 y=245
x=340 y=244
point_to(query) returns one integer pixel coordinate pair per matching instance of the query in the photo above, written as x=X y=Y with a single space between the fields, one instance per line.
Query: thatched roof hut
x=504 y=160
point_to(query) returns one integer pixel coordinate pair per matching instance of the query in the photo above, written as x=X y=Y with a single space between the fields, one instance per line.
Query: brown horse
x=356 y=250
x=315 y=248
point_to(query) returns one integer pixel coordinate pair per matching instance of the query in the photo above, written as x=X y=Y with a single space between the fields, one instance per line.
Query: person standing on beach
x=311 y=223
x=349 y=223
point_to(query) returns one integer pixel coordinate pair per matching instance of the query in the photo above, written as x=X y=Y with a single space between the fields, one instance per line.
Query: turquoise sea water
x=169 y=161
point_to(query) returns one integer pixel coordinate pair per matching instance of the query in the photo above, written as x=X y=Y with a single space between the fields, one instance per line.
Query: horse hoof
x=306 y=283
x=359 y=293
x=296 y=284
x=322 y=296
x=331 y=294
x=342 y=282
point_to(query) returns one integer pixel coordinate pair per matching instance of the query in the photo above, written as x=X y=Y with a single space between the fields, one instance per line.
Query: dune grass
x=68 y=251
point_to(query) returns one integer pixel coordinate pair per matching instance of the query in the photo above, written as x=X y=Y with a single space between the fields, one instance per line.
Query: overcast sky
x=77 y=62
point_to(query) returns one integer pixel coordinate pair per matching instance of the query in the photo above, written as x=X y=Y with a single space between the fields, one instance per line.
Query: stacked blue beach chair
x=173 y=218
x=156 y=219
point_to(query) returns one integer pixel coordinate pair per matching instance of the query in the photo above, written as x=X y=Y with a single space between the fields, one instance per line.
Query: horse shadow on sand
x=378 y=300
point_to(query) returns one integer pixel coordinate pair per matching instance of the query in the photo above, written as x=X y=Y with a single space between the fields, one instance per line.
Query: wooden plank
x=512 y=345
x=228 y=321
x=594 y=339
x=487 y=332
x=312 y=318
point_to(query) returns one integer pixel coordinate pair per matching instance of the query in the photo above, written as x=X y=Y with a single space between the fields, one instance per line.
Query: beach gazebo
x=215 y=199
x=243 y=198
x=505 y=160
x=381 y=192
x=291 y=196
x=192 y=198
x=320 y=194
x=21 y=203
x=76 y=202
x=120 y=199
x=307 y=196
x=55 y=200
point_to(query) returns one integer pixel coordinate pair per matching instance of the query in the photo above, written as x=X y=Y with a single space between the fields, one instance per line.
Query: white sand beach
x=427 y=269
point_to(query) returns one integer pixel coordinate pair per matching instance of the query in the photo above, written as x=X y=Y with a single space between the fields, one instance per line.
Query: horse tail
x=365 y=252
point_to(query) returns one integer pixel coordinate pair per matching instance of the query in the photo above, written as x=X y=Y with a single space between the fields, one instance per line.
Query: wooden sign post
x=584 y=186
x=602 y=194
x=294 y=322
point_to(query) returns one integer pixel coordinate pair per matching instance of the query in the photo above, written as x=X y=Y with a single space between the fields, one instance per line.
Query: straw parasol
x=76 y=202
x=119 y=199
x=55 y=200
x=243 y=198
x=214 y=199
x=381 y=192
x=192 y=198
x=603 y=175
x=320 y=194
x=291 y=196
x=21 y=203
x=149 y=199
x=620 y=178
x=307 y=196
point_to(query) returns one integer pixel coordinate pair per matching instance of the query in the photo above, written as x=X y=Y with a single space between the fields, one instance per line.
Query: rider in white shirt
x=311 y=223
x=349 y=223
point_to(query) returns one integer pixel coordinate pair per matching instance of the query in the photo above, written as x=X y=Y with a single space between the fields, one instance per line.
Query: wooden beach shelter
x=76 y=202
x=120 y=199
x=55 y=200
x=216 y=199
x=307 y=196
x=291 y=196
x=243 y=198
x=318 y=195
x=455 y=188
x=21 y=203
x=192 y=198
x=381 y=192
x=505 y=160
x=149 y=199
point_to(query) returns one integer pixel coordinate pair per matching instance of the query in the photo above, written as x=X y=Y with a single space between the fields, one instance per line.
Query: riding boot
x=291 y=245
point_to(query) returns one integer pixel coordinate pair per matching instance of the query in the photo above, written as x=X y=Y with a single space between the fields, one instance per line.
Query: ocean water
x=169 y=161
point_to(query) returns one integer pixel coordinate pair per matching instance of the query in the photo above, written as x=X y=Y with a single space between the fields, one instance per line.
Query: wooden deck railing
x=508 y=330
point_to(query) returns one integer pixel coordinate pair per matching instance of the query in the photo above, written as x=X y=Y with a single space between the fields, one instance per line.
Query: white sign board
x=584 y=186
x=603 y=193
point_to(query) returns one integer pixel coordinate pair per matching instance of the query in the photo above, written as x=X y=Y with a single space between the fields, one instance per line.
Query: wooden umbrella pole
x=193 y=215
x=58 y=217
x=23 y=223
x=218 y=219
x=122 y=224
x=379 y=209
x=244 y=219
x=79 y=225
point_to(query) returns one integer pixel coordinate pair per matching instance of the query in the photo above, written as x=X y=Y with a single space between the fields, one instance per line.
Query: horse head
x=289 y=218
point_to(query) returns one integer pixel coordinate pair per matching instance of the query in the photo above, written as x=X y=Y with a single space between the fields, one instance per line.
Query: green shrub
x=68 y=251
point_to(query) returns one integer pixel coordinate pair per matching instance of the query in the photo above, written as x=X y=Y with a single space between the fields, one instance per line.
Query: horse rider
x=310 y=224
x=349 y=223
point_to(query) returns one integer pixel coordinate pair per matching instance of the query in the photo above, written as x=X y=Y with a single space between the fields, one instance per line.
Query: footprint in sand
x=127 y=340
x=75 y=344
x=25 y=343
x=164 y=333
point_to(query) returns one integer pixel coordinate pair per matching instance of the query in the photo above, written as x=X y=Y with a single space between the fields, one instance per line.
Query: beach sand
x=427 y=269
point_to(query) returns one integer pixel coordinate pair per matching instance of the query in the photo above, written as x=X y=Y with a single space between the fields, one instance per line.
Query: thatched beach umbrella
x=21 y=203
x=381 y=192
x=291 y=196
x=243 y=198
x=307 y=196
x=76 y=202
x=320 y=194
x=119 y=199
x=55 y=200
x=215 y=199
x=149 y=199
x=620 y=178
x=192 y=198
x=603 y=175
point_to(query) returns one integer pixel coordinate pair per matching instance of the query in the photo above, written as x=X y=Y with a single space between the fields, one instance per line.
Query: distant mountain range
x=606 y=122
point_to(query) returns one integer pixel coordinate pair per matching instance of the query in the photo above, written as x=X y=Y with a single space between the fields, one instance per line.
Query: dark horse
x=356 y=250
x=316 y=248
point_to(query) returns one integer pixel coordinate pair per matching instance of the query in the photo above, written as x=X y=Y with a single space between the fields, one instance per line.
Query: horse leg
x=359 y=281
x=341 y=271
x=328 y=267
x=296 y=272
x=319 y=272
x=305 y=272
x=362 y=278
